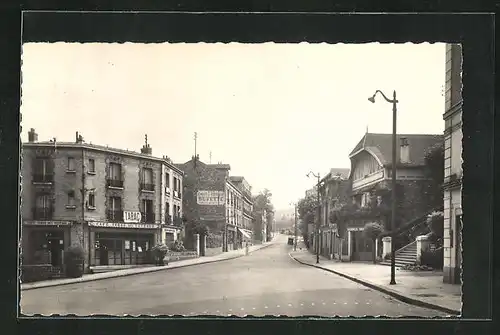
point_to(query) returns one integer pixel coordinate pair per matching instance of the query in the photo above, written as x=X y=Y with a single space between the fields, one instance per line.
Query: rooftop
x=380 y=145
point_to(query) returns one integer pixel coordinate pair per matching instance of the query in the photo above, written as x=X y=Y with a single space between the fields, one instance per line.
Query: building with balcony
x=371 y=170
x=452 y=262
x=112 y=202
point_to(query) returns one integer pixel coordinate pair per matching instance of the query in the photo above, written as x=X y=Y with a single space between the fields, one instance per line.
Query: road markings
x=230 y=310
x=367 y=303
x=334 y=303
x=356 y=303
x=345 y=303
x=217 y=312
x=324 y=303
x=253 y=308
x=301 y=304
x=265 y=306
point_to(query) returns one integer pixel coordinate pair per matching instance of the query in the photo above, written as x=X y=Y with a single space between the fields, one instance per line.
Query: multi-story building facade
x=452 y=254
x=211 y=198
x=335 y=191
x=111 y=202
x=371 y=171
x=247 y=205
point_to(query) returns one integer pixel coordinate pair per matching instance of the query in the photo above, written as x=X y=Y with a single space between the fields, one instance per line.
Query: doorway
x=55 y=244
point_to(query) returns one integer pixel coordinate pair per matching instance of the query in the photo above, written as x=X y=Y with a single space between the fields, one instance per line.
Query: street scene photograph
x=233 y=180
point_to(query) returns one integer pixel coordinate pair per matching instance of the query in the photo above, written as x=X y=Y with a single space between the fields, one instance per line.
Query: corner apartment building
x=112 y=202
x=211 y=198
x=452 y=262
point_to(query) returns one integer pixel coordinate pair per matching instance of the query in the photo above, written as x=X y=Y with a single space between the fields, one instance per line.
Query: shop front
x=43 y=242
x=170 y=235
x=122 y=243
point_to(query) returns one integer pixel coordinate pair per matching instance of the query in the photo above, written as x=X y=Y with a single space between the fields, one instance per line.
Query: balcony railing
x=43 y=178
x=114 y=183
x=177 y=221
x=147 y=187
x=147 y=217
x=177 y=194
x=43 y=213
x=114 y=216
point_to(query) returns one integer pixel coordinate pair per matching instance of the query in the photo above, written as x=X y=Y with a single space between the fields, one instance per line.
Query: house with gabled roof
x=371 y=172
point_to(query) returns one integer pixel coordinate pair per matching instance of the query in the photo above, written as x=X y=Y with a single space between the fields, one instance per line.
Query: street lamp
x=295 y=225
x=319 y=214
x=394 y=102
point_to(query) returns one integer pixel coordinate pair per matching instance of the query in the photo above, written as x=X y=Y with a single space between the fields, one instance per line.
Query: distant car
x=290 y=241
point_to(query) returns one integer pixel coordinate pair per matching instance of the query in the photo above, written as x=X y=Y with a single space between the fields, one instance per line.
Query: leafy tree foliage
x=372 y=231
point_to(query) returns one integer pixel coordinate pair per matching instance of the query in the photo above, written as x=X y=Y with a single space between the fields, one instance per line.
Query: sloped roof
x=344 y=173
x=235 y=178
x=380 y=145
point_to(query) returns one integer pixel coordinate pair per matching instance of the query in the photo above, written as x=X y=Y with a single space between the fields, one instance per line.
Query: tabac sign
x=210 y=198
x=131 y=217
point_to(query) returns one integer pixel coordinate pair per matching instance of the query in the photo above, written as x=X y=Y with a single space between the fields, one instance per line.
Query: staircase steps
x=406 y=256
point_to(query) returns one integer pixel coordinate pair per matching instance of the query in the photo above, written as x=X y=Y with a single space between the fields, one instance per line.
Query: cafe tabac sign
x=123 y=225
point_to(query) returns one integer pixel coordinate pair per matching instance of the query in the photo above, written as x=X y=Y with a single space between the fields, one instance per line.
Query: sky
x=273 y=112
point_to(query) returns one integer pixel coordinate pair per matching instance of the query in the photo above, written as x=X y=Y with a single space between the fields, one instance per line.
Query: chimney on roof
x=78 y=138
x=404 y=154
x=32 y=135
x=146 y=149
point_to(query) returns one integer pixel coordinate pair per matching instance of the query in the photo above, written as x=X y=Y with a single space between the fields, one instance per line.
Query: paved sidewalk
x=137 y=270
x=424 y=289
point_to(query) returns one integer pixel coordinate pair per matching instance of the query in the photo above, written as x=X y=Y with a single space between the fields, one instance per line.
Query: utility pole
x=195 y=139
x=210 y=157
x=296 y=228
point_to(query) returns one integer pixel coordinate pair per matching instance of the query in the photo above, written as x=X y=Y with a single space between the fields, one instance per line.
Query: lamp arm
x=385 y=97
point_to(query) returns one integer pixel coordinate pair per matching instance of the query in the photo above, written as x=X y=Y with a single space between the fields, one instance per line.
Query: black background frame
x=474 y=31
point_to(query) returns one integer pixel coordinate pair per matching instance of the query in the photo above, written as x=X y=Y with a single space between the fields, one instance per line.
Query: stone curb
x=147 y=270
x=379 y=288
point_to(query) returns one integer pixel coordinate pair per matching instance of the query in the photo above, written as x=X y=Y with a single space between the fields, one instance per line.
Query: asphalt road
x=267 y=282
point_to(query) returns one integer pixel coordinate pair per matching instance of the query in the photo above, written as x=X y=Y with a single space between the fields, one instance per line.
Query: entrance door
x=55 y=241
x=103 y=253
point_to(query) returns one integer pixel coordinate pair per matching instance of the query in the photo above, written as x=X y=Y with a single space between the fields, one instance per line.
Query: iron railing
x=114 y=215
x=147 y=217
x=147 y=187
x=43 y=178
x=114 y=183
x=43 y=213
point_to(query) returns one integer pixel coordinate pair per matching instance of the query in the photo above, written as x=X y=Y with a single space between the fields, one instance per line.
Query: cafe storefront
x=118 y=243
x=43 y=242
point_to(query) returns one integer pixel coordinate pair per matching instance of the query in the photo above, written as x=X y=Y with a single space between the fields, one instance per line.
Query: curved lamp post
x=394 y=102
x=319 y=214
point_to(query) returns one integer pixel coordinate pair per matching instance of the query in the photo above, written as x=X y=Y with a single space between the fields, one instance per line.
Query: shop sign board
x=123 y=225
x=170 y=230
x=131 y=217
x=47 y=223
x=210 y=198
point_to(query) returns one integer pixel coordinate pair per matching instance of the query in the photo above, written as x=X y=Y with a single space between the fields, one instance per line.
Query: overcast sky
x=271 y=111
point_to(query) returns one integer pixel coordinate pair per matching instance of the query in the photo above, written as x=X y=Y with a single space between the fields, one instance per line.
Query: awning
x=244 y=233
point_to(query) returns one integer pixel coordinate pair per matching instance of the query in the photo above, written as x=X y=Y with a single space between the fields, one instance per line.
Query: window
x=147 y=175
x=91 y=165
x=115 y=171
x=167 y=182
x=175 y=184
x=115 y=203
x=91 y=203
x=147 y=179
x=167 y=212
x=71 y=164
x=43 y=170
x=71 y=199
x=42 y=201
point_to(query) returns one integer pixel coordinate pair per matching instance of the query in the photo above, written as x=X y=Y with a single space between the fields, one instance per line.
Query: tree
x=263 y=202
x=307 y=210
x=434 y=169
x=372 y=231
